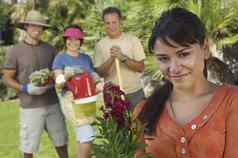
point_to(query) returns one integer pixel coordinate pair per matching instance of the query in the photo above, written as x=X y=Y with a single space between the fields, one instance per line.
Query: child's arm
x=59 y=78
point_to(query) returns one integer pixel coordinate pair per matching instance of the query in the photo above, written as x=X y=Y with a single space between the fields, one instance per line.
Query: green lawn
x=9 y=139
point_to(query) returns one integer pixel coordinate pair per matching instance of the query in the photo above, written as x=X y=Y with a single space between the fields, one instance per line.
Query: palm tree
x=220 y=18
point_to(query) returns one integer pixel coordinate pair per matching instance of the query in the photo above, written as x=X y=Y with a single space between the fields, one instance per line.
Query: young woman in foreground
x=188 y=116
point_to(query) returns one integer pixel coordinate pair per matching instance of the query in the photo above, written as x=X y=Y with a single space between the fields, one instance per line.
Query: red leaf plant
x=116 y=106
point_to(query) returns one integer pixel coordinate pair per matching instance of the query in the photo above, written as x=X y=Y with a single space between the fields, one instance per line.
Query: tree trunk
x=35 y=4
x=13 y=1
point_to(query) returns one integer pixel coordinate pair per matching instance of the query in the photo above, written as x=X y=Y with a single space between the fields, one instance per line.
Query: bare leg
x=62 y=151
x=84 y=150
x=27 y=155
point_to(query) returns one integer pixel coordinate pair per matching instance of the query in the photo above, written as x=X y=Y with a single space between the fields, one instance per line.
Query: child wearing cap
x=73 y=59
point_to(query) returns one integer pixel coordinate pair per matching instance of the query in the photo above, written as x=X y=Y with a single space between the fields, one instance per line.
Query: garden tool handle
x=119 y=75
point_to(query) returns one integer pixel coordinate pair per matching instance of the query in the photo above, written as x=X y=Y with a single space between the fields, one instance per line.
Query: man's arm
x=137 y=66
x=134 y=65
x=8 y=78
x=102 y=70
x=137 y=62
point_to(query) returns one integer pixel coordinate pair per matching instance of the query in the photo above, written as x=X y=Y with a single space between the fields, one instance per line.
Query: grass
x=9 y=135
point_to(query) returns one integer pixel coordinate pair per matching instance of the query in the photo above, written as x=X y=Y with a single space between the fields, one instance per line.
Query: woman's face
x=72 y=44
x=183 y=66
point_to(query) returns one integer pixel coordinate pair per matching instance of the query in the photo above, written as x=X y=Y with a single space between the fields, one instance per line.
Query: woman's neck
x=183 y=94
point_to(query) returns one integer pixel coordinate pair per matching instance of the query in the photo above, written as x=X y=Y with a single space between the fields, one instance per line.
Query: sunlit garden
x=219 y=16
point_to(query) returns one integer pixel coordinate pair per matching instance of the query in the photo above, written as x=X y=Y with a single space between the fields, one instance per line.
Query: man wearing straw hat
x=119 y=57
x=39 y=107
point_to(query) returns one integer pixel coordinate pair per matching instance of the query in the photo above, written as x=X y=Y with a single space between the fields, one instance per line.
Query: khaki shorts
x=35 y=120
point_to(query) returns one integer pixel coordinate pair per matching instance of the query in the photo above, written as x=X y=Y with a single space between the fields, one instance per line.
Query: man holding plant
x=26 y=64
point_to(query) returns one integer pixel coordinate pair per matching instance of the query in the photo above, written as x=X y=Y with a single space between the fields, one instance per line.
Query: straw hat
x=34 y=17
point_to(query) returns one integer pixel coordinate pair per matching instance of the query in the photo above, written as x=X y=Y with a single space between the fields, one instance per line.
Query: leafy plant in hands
x=40 y=78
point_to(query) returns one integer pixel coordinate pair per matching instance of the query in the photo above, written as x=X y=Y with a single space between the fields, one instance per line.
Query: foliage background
x=219 y=16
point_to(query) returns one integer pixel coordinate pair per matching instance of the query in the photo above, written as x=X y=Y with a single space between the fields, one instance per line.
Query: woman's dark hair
x=74 y=26
x=179 y=25
x=111 y=10
x=184 y=28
